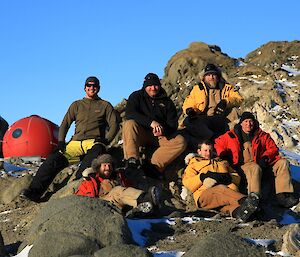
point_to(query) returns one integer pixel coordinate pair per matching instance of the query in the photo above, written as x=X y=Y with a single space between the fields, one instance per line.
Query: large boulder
x=84 y=219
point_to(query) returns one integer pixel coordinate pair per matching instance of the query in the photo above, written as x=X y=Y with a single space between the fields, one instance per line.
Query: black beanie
x=247 y=115
x=151 y=79
x=92 y=79
x=211 y=69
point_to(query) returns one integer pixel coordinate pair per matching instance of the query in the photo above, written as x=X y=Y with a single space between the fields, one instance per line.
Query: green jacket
x=94 y=119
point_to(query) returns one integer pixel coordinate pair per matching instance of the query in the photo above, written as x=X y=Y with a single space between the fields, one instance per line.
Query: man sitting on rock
x=152 y=121
x=252 y=151
x=214 y=184
x=210 y=105
x=101 y=181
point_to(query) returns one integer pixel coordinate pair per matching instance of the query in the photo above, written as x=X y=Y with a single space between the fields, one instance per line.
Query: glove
x=61 y=147
x=221 y=178
x=263 y=162
x=220 y=108
x=209 y=182
x=191 y=113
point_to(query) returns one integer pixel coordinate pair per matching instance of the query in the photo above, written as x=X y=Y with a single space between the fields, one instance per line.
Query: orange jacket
x=197 y=166
x=198 y=97
x=95 y=186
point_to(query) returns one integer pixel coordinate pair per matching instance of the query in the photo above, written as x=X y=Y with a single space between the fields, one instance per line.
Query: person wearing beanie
x=151 y=121
x=210 y=106
x=101 y=181
x=253 y=153
x=214 y=184
x=96 y=124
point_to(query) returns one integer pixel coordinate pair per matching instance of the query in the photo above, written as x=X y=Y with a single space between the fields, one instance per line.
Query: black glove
x=263 y=162
x=191 y=113
x=101 y=140
x=221 y=178
x=61 y=147
x=220 y=108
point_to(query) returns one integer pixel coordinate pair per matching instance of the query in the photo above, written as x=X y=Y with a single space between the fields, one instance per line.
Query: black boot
x=135 y=175
x=287 y=200
x=249 y=206
x=44 y=176
x=146 y=203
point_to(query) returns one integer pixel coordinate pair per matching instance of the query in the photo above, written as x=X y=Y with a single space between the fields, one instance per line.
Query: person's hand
x=220 y=108
x=157 y=128
x=191 y=113
x=263 y=162
x=221 y=178
x=209 y=182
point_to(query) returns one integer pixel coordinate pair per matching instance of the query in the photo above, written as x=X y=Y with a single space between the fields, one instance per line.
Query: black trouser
x=47 y=172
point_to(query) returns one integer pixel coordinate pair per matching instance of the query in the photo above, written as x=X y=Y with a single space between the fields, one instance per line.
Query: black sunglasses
x=91 y=85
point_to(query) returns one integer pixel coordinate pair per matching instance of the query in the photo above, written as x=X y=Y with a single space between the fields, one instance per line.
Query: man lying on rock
x=101 y=181
x=215 y=185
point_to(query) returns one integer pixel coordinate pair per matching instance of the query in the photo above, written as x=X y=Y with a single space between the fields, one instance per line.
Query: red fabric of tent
x=30 y=136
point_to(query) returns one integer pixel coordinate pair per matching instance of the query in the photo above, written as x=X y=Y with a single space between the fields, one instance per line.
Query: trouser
x=283 y=181
x=207 y=127
x=168 y=149
x=57 y=161
x=121 y=196
x=220 y=197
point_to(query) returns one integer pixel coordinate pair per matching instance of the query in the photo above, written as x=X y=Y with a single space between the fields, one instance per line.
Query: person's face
x=152 y=90
x=211 y=79
x=91 y=90
x=105 y=170
x=206 y=151
x=247 y=125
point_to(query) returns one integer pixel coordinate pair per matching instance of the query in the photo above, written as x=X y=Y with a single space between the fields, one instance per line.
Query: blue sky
x=49 y=47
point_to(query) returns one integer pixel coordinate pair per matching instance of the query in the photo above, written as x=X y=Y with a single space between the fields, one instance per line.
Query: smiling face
x=152 y=90
x=247 y=125
x=206 y=151
x=105 y=170
x=91 y=90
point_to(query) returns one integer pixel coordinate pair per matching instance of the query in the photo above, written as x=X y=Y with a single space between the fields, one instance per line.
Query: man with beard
x=210 y=105
x=253 y=152
x=96 y=124
x=101 y=182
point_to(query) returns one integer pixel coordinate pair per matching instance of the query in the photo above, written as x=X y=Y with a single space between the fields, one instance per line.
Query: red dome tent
x=30 y=136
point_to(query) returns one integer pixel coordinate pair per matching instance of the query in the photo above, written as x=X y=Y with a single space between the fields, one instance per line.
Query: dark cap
x=211 y=69
x=245 y=116
x=151 y=79
x=92 y=80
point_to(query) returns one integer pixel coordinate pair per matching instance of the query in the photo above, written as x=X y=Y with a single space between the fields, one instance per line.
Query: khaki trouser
x=283 y=181
x=222 y=197
x=168 y=149
x=121 y=196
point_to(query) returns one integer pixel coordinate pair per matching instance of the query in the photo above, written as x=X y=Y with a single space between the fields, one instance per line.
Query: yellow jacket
x=197 y=165
x=198 y=97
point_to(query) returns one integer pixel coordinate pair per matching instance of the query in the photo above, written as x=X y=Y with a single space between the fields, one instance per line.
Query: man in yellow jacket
x=214 y=184
x=210 y=105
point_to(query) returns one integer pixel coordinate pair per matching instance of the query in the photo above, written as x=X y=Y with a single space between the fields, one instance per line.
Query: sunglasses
x=91 y=85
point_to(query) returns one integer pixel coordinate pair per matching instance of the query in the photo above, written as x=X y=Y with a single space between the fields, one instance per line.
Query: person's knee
x=180 y=141
x=129 y=124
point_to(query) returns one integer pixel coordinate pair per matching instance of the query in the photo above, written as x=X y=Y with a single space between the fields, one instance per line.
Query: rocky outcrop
x=77 y=225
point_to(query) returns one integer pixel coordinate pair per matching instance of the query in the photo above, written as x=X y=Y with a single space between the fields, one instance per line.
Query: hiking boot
x=153 y=195
x=134 y=175
x=28 y=194
x=287 y=200
x=151 y=171
x=247 y=208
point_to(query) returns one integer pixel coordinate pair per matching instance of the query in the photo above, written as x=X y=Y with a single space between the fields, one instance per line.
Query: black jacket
x=144 y=109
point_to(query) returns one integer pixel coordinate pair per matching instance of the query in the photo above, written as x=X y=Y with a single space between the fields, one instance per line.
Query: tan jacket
x=94 y=119
x=198 y=165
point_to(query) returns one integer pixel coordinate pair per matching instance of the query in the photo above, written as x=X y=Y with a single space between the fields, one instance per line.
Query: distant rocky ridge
x=268 y=78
